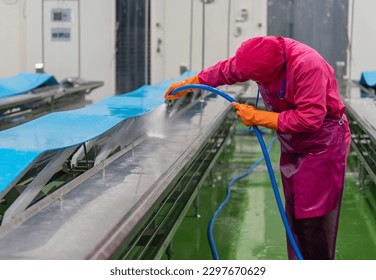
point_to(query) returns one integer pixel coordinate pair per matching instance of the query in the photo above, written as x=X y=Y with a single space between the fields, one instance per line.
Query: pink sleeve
x=224 y=72
x=230 y=71
x=311 y=87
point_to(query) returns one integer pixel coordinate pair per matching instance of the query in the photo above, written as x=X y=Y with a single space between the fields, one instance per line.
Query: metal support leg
x=362 y=175
x=197 y=206
x=213 y=178
x=132 y=125
x=32 y=190
x=81 y=152
x=169 y=251
x=111 y=144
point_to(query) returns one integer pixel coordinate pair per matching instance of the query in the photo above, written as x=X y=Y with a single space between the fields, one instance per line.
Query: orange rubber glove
x=188 y=81
x=252 y=116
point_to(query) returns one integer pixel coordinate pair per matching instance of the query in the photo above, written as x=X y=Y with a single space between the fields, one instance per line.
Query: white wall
x=179 y=31
x=21 y=41
x=216 y=39
x=62 y=55
x=255 y=25
x=98 y=23
x=12 y=37
x=363 y=37
x=33 y=16
x=170 y=34
x=178 y=24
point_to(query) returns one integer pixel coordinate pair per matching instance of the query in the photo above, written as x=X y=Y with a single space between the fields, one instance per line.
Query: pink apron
x=312 y=168
x=312 y=164
x=314 y=133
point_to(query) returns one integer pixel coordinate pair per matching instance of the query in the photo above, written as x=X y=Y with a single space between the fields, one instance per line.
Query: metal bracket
x=32 y=190
x=113 y=143
x=81 y=152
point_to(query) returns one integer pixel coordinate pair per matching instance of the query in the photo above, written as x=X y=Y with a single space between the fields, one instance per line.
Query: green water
x=250 y=227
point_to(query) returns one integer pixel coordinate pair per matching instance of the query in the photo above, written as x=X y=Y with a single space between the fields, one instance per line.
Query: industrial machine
x=112 y=180
x=361 y=113
x=40 y=94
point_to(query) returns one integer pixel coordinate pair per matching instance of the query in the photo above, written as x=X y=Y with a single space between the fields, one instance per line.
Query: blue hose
x=229 y=185
x=204 y=87
x=268 y=164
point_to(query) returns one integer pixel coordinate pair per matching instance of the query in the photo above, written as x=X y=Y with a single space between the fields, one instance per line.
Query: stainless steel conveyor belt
x=101 y=213
x=361 y=112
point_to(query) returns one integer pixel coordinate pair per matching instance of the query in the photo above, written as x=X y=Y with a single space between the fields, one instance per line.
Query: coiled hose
x=269 y=167
x=228 y=194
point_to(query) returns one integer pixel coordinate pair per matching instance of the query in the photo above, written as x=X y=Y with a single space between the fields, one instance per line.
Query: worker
x=303 y=104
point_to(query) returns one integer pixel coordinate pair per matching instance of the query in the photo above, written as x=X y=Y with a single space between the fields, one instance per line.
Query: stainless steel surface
x=364 y=109
x=46 y=92
x=68 y=95
x=91 y=215
x=361 y=113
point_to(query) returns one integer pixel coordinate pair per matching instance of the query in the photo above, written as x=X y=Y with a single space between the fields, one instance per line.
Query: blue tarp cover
x=24 y=82
x=20 y=146
x=368 y=79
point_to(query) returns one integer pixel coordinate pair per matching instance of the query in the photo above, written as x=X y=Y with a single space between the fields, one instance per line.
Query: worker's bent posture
x=300 y=91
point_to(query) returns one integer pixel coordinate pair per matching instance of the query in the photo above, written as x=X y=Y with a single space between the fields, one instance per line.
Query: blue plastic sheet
x=24 y=82
x=368 y=79
x=20 y=146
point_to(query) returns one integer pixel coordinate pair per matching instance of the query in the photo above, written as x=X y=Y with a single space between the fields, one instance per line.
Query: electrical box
x=61 y=38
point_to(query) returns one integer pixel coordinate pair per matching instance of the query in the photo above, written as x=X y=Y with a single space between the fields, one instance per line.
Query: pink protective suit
x=295 y=81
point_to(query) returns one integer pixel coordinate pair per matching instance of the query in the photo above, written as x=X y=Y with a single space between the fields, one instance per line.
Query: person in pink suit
x=304 y=106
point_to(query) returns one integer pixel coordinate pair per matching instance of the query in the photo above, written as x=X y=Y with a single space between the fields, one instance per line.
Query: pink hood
x=260 y=59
